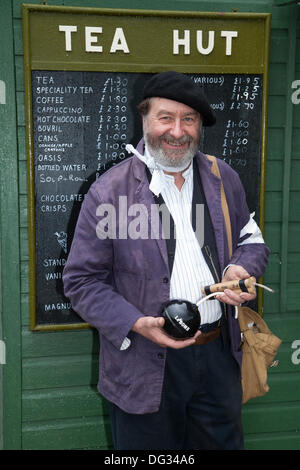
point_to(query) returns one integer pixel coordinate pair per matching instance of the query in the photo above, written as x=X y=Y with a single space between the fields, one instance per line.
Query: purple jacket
x=113 y=282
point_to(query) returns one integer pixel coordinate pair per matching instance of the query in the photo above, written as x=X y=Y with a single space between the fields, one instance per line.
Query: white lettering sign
x=229 y=35
x=90 y=39
x=68 y=30
x=91 y=34
x=119 y=42
x=181 y=42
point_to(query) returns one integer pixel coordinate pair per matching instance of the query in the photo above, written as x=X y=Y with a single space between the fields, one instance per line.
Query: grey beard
x=171 y=161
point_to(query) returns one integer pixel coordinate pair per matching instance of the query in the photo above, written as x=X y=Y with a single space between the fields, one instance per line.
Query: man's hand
x=230 y=297
x=151 y=328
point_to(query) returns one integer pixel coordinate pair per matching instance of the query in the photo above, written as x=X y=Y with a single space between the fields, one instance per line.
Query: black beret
x=178 y=87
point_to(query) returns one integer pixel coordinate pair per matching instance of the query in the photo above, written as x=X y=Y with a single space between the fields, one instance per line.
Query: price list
x=113 y=126
x=244 y=98
x=236 y=137
x=81 y=126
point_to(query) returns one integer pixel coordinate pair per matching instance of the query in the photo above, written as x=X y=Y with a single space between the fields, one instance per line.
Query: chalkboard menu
x=81 y=124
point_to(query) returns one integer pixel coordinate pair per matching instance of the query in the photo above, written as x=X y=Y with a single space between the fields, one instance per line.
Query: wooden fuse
x=243 y=285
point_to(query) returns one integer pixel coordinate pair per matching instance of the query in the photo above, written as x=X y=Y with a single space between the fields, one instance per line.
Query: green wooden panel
x=74 y=402
x=272 y=274
x=272 y=418
x=273 y=441
x=271 y=302
x=60 y=371
x=294 y=206
x=84 y=433
x=286 y=326
x=296 y=139
x=273 y=206
x=18 y=38
x=22 y=178
x=24 y=276
x=279 y=46
x=294 y=236
x=293 y=267
x=25 y=310
x=23 y=211
x=295 y=175
x=24 y=244
x=22 y=144
x=276 y=111
x=274 y=175
x=278 y=86
x=48 y=344
x=275 y=143
x=297 y=114
x=19 y=71
x=278 y=392
x=10 y=387
x=20 y=108
x=293 y=297
x=273 y=236
x=284 y=356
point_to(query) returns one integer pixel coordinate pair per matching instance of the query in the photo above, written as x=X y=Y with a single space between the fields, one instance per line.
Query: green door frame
x=10 y=329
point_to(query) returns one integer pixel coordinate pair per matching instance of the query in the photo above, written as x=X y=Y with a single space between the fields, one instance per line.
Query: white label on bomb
x=181 y=323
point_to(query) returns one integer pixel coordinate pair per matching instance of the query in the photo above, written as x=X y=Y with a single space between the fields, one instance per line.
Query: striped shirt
x=190 y=271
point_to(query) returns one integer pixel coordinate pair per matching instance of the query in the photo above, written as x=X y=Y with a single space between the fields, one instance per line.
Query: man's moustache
x=170 y=140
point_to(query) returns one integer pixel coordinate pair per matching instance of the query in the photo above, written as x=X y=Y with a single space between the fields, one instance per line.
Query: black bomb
x=182 y=319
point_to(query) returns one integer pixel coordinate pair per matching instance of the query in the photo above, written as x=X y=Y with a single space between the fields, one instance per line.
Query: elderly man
x=166 y=393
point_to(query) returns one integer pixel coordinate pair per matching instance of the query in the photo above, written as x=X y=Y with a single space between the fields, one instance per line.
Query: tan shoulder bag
x=259 y=344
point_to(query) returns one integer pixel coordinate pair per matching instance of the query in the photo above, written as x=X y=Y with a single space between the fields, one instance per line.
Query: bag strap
x=215 y=170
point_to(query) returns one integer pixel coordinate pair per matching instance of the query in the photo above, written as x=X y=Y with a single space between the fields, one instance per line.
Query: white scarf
x=158 y=180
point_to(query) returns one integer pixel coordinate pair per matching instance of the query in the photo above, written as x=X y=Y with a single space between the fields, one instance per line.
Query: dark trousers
x=200 y=407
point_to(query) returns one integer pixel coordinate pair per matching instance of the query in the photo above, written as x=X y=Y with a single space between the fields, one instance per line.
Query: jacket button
x=160 y=355
x=165 y=280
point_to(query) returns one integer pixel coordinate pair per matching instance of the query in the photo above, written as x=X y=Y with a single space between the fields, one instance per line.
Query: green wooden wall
x=48 y=394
